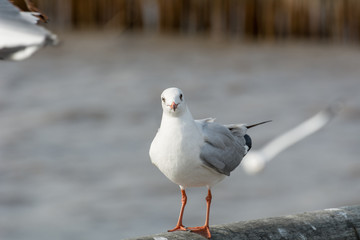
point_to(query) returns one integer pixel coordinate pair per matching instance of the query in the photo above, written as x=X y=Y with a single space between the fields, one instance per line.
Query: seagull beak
x=173 y=106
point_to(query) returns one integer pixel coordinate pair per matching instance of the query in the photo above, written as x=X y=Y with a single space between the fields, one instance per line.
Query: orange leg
x=204 y=230
x=179 y=226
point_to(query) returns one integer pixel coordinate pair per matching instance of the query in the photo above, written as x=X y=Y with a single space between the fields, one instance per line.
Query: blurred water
x=77 y=121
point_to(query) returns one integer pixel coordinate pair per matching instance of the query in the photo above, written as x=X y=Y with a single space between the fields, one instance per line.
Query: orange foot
x=203 y=231
x=178 y=228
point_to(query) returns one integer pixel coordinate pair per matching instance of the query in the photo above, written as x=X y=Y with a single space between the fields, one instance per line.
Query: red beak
x=173 y=106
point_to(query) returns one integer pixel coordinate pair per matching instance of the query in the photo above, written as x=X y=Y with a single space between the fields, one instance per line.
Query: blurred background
x=77 y=120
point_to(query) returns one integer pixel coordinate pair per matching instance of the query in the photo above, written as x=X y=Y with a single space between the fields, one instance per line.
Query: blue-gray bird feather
x=7 y=9
x=224 y=147
x=11 y=19
x=11 y=16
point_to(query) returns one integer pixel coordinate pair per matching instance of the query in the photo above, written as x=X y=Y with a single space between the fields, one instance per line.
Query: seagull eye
x=163 y=99
x=181 y=97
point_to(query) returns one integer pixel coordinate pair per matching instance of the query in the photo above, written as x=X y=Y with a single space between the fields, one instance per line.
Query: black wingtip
x=31 y=6
x=256 y=124
x=248 y=142
x=334 y=109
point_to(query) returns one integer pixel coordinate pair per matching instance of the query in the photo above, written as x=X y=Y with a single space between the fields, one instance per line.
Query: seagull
x=255 y=161
x=196 y=153
x=20 y=38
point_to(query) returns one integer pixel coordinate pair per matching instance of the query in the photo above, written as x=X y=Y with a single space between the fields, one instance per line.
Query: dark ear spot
x=181 y=97
x=163 y=99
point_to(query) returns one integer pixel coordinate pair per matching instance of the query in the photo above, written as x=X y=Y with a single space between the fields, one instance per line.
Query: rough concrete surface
x=332 y=223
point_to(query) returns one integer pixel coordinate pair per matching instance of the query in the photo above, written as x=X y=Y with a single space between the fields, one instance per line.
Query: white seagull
x=19 y=37
x=195 y=153
x=256 y=161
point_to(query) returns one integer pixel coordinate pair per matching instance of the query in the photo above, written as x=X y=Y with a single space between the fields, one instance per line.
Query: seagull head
x=172 y=101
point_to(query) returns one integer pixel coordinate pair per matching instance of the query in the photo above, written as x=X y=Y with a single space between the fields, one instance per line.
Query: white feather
x=255 y=161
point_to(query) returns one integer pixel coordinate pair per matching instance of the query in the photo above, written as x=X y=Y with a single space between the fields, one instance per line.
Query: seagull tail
x=257 y=124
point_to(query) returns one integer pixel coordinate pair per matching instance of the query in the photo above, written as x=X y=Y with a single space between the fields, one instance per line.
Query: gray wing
x=224 y=147
x=6 y=8
x=12 y=17
x=11 y=20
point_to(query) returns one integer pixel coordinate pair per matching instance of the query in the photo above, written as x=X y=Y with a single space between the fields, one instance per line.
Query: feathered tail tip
x=257 y=124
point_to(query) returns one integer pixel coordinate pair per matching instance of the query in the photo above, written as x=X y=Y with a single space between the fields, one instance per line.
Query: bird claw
x=203 y=231
x=178 y=228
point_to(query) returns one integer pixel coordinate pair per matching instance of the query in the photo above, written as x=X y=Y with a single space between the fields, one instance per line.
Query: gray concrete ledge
x=334 y=223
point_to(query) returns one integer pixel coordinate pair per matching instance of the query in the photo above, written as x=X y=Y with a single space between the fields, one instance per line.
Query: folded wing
x=224 y=146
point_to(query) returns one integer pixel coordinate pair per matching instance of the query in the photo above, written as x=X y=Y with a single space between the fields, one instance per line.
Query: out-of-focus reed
x=337 y=20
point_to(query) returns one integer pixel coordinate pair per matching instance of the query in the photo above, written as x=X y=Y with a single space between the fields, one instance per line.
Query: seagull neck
x=171 y=119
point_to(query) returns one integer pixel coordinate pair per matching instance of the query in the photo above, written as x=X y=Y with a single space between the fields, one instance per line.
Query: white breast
x=176 y=152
